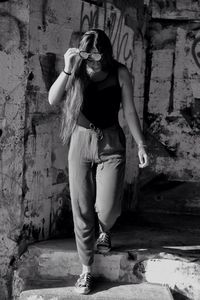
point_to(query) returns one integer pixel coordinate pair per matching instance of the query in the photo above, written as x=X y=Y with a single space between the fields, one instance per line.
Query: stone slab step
x=59 y=259
x=179 y=269
x=102 y=291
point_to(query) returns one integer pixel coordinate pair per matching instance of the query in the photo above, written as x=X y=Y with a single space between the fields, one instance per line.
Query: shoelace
x=104 y=237
x=85 y=279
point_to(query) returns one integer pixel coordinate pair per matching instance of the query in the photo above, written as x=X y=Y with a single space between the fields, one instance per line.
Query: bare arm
x=58 y=88
x=131 y=114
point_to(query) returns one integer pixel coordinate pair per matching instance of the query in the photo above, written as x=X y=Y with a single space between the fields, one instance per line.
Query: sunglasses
x=90 y=56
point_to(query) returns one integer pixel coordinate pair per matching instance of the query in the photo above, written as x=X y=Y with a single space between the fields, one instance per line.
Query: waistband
x=84 y=122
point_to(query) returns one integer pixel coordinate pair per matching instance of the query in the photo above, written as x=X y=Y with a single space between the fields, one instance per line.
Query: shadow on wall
x=47 y=63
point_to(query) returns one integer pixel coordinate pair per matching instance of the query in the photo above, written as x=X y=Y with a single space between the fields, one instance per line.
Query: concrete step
x=154 y=249
x=102 y=291
x=178 y=268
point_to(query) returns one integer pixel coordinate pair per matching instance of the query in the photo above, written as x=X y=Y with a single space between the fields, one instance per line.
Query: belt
x=84 y=122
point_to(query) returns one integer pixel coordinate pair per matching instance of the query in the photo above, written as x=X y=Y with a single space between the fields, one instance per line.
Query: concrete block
x=103 y=291
x=162 y=64
x=159 y=96
x=168 y=272
x=12 y=70
x=183 y=10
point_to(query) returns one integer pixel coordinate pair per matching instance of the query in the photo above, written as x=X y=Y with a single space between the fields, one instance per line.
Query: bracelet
x=67 y=73
x=142 y=145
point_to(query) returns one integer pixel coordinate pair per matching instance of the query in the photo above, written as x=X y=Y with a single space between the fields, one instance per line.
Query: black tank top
x=101 y=100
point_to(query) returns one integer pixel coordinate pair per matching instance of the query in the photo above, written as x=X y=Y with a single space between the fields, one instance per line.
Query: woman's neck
x=97 y=76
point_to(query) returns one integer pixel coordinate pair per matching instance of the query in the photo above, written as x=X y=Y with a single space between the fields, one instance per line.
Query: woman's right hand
x=69 y=58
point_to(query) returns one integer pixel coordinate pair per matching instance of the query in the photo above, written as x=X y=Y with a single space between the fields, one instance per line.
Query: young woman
x=96 y=86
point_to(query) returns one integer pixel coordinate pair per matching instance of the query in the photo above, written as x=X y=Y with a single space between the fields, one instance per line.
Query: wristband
x=67 y=73
x=141 y=145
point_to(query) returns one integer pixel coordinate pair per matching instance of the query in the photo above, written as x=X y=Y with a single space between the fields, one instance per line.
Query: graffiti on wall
x=191 y=113
x=195 y=50
x=112 y=22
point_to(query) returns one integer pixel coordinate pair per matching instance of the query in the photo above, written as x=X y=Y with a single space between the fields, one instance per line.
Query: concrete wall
x=34 y=36
x=14 y=18
x=35 y=202
x=55 y=26
x=172 y=109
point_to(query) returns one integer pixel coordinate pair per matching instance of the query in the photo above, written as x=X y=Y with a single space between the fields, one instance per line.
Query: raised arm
x=131 y=114
x=58 y=88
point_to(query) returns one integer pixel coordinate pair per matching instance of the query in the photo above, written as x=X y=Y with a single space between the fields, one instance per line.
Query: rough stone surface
x=13 y=79
x=103 y=291
x=176 y=9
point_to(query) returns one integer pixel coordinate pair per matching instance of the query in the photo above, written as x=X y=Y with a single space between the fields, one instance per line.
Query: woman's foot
x=103 y=243
x=84 y=283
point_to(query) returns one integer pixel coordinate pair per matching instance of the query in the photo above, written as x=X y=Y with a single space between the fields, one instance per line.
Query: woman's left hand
x=143 y=158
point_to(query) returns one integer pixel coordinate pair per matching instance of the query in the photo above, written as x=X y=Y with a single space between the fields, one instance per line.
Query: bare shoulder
x=123 y=74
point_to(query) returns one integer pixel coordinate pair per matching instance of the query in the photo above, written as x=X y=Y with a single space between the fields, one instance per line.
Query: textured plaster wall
x=34 y=35
x=14 y=17
x=55 y=26
x=34 y=200
x=172 y=109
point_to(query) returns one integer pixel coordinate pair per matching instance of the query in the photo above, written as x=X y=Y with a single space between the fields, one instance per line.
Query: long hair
x=95 y=38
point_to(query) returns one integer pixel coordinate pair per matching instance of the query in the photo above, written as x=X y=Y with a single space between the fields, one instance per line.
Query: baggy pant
x=96 y=176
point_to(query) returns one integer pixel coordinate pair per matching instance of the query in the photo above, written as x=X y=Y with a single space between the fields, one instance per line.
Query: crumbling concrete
x=14 y=17
x=171 y=109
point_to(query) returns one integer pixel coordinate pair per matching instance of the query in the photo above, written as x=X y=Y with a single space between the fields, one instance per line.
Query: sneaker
x=103 y=243
x=84 y=283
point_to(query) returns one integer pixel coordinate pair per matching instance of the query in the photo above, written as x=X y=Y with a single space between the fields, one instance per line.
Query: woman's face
x=93 y=60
